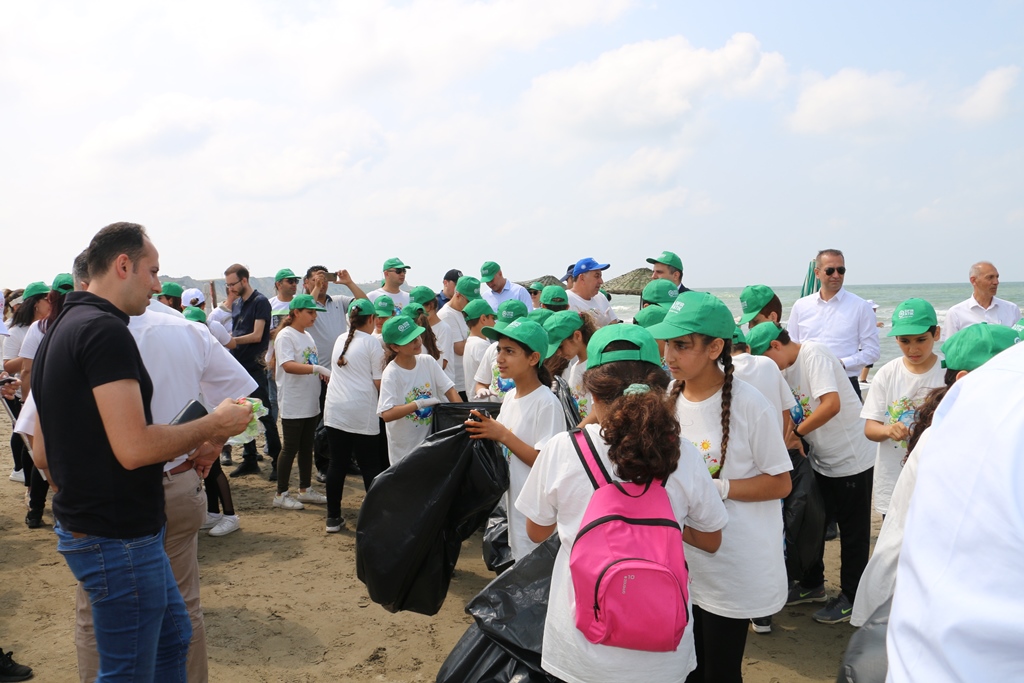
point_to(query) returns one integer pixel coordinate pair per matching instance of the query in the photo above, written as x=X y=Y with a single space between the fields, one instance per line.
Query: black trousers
x=344 y=446
x=848 y=501
x=855 y=381
x=719 y=643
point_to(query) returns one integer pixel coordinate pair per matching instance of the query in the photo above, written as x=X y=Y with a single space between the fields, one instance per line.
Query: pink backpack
x=627 y=565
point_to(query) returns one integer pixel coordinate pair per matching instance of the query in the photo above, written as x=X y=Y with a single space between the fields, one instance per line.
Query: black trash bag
x=448 y=415
x=570 y=409
x=478 y=659
x=417 y=513
x=497 y=551
x=803 y=515
x=322 y=449
x=866 y=660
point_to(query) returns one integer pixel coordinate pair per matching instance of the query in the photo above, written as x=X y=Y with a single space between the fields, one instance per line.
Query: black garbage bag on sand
x=497 y=552
x=803 y=515
x=504 y=643
x=417 y=513
x=866 y=660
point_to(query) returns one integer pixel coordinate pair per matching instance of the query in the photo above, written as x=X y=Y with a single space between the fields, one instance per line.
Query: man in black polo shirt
x=104 y=458
x=250 y=320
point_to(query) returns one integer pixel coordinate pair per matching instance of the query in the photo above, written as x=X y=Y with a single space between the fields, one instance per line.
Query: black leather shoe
x=34 y=519
x=247 y=467
x=10 y=670
x=273 y=474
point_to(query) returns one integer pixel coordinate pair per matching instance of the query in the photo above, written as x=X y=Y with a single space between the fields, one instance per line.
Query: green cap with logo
x=468 y=287
x=363 y=306
x=33 y=289
x=560 y=327
x=476 y=308
x=171 y=289
x=422 y=294
x=738 y=337
x=669 y=259
x=540 y=315
x=413 y=309
x=384 y=306
x=394 y=263
x=696 y=312
x=522 y=330
x=1018 y=327
x=304 y=302
x=488 y=270
x=649 y=316
x=554 y=295
x=975 y=345
x=285 y=274
x=196 y=315
x=646 y=351
x=753 y=298
x=400 y=330
x=508 y=311
x=762 y=336
x=63 y=283
x=913 y=317
x=660 y=292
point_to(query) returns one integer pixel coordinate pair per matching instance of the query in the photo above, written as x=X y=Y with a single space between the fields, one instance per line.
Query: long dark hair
x=725 y=358
x=26 y=313
x=56 y=300
x=429 y=339
x=543 y=374
x=924 y=414
x=355 y=319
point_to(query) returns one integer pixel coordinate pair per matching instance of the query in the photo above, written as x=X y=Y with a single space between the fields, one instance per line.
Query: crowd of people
x=101 y=365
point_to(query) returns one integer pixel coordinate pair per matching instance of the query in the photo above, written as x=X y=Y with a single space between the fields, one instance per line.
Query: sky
x=744 y=136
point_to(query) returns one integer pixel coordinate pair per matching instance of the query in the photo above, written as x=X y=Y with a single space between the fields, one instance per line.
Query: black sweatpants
x=719 y=643
x=345 y=446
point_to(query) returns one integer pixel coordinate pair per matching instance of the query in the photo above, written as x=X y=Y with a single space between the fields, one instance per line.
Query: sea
x=888 y=297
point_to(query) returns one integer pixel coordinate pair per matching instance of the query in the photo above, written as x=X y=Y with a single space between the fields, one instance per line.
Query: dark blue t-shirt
x=244 y=315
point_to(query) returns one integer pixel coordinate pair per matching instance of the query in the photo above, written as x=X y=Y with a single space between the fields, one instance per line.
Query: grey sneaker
x=285 y=501
x=836 y=611
x=798 y=595
x=335 y=524
x=311 y=495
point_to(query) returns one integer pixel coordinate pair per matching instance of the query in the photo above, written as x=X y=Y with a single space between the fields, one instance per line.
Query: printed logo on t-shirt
x=579 y=396
x=500 y=385
x=422 y=416
x=903 y=410
x=309 y=356
x=802 y=410
x=713 y=463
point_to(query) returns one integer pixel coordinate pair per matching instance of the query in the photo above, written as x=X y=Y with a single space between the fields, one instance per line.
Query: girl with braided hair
x=736 y=431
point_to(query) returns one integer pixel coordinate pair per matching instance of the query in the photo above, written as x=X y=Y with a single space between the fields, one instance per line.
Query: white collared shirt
x=967 y=313
x=846 y=324
x=510 y=291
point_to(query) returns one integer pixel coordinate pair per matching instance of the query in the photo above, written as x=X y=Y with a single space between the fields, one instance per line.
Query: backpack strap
x=591 y=463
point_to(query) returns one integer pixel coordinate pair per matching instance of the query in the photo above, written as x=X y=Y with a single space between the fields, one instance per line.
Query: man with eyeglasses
x=837 y=318
x=250 y=318
x=394 y=278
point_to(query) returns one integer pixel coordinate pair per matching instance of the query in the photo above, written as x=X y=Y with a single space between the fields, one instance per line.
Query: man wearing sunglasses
x=837 y=318
x=394 y=278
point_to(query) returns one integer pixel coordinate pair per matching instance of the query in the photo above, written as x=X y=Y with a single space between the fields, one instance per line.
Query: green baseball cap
x=63 y=283
x=554 y=295
x=696 y=312
x=285 y=274
x=304 y=302
x=413 y=309
x=422 y=294
x=738 y=337
x=468 y=287
x=33 y=289
x=196 y=315
x=488 y=270
x=476 y=308
x=660 y=292
x=171 y=289
x=400 y=330
x=536 y=287
x=540 y=315
x=913 y=316
x=647 y=350
x=384 y=306
x=508 y=311
x=1018 y=327
x=753 y=298
x=560 y=327
x=669 y=259
x=649 y=316
x=522 y=330
x=975 y=345
x=394 y=263
x=762 y=336
x=364 y=306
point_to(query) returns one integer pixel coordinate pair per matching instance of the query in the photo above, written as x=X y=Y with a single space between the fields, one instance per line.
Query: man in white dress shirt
x=837 y=318
x=499 y=288
x=983 y=306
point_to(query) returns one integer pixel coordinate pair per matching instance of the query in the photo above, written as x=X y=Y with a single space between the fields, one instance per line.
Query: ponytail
x=355 y=319
x=429 y=340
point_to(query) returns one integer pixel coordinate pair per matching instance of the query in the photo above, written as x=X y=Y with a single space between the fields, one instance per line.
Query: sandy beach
x=283 y=603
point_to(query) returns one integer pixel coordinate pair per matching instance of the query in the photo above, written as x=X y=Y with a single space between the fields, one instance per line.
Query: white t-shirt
x=30 y=344
x=747 y=576
x=401 y=299
x=351 y=403
x=598 y=307
x=476 y=347
x=456 y=321
x=558 y=490
x=840 y=447
x=534 y=418
x=223 y=317
x=12 y=343
x=574 y=376
x=220 y=333
x=443 y=336
x=298 y=396
x=331 y=324
x=764 y=375
x=399 y=386
x=894 y=396
x=278 y=312
x=487 y=373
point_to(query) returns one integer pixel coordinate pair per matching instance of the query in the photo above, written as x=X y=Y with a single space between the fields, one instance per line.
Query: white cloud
x=648 y=207
x=986 y=101
x=647 y=166
x=853 y=99
x=649 y=87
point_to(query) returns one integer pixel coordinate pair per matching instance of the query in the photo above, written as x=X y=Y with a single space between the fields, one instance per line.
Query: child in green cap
x=410 y=386
x=384 y=308
x=569 y=333
x=478 y=314
x=530 y=414
x=489 y=384
x=900 y=386
x=736 y=431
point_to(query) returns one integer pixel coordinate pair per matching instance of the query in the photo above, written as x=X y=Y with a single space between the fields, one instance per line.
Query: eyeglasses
x=830 y=270
x=232 y=284
x=397 y=271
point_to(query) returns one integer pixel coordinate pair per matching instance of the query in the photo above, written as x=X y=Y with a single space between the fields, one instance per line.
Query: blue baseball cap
x=586 y=265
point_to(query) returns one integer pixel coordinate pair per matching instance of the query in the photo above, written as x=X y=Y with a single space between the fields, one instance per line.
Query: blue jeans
x=141 y=625
x=272 y=394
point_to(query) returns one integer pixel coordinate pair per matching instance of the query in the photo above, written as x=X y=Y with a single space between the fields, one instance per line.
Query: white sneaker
x=212 y=520
x=226 y=525
x=311 y=495
x=283 y=500
x=18 y=476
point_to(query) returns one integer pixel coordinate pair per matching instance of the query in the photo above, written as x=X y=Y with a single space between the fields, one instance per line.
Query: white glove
x=723 y=487
x=484 y=394
x=322 y=371
x=422 y=403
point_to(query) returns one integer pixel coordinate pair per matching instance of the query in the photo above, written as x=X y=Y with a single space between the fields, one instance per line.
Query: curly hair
x=725 y=358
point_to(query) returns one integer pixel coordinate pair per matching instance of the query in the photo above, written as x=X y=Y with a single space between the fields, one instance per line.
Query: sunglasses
x=398 y=271
x=830 y=270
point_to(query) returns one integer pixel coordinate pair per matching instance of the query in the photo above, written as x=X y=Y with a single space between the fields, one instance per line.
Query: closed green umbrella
x=811 y=282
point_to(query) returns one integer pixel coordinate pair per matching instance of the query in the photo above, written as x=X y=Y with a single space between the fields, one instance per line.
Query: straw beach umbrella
x=632 y=282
